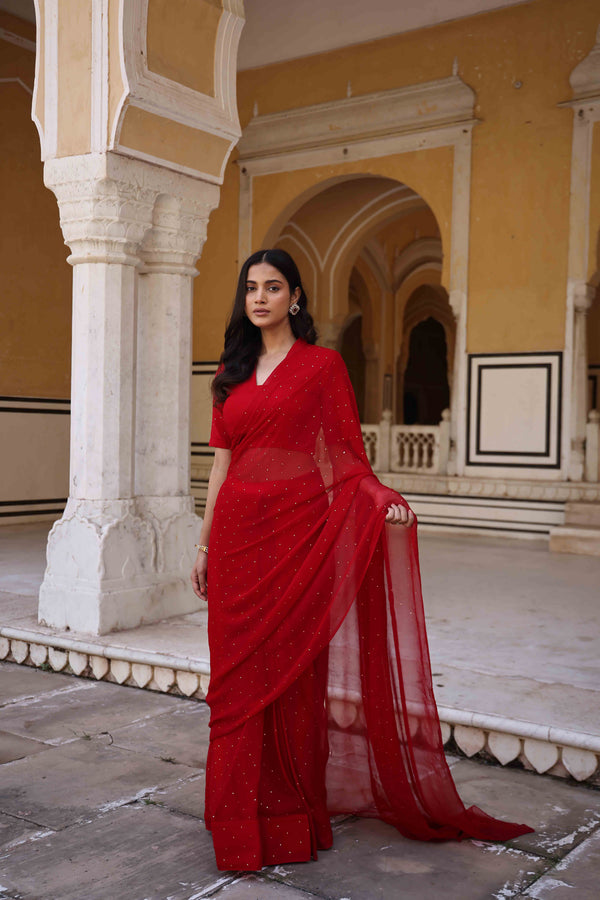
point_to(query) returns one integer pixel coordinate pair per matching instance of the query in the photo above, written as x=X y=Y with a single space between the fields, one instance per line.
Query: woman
x=320 y=692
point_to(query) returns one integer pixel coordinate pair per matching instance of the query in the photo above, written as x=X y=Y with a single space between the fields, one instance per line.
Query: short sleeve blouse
x=218 y=432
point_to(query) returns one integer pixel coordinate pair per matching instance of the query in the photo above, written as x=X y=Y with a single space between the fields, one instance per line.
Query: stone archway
x=365 y=240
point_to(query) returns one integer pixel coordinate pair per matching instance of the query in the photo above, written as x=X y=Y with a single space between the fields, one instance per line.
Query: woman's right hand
x=198 y=575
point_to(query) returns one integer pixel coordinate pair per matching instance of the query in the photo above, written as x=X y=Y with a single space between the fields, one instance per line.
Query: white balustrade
x=371 y=440
x=407 y=448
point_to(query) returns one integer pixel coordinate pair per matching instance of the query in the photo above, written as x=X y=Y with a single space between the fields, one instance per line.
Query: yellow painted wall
x=181 y=41
x=74 y=77
x=520 y=175
x=35 y=312
x=521 y=152
x=165 y=139
x=214 y=288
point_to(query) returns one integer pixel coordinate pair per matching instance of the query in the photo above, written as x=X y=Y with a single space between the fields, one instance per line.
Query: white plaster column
x=458 y=297
x=458 y=393
x=164 y=364
x=583 y=294
x=100 y=553
x=585 y=83
x=122 y=552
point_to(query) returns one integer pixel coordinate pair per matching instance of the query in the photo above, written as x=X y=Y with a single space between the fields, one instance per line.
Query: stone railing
x=408 y=448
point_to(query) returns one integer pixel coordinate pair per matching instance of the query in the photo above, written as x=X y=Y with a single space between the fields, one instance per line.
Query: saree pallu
x=320 y=692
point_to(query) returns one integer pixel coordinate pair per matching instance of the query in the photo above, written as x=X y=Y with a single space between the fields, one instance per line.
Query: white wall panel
x=514 y=413
x=34 y=458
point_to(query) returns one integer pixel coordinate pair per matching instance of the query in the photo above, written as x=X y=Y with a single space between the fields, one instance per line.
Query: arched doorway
x=425 y=359
x=426 y=391
x=358 y=243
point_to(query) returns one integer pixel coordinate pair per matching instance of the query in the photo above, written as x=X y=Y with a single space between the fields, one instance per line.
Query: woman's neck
x=280 y=341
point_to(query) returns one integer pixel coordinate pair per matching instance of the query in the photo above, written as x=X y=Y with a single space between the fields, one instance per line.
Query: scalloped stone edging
x=149 y=671
x=542 y=749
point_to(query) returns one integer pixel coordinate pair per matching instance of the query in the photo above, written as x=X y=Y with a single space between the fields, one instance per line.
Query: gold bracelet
x=202 y=547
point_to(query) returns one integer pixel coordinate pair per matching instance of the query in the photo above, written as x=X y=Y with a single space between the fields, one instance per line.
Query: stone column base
x=119 y=564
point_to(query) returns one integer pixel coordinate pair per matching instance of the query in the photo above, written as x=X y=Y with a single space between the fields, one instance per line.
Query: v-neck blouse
x=280 y=363
x=226 y=417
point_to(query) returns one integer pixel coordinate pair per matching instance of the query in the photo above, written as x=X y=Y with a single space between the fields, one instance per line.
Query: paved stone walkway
x=101 y=798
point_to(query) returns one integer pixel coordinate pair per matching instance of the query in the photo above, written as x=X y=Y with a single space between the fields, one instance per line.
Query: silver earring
x=294 y=309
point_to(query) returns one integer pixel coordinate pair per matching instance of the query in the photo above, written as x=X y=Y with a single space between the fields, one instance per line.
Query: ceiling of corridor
x=277 y=30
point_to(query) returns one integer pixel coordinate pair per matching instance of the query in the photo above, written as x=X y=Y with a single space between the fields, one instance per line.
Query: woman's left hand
x=400 y=515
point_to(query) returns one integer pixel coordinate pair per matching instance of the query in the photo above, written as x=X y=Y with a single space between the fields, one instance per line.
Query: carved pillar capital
x=104 y=211
x=179 y=224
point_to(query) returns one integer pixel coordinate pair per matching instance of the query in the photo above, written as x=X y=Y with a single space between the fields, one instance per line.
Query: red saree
x=320 y=691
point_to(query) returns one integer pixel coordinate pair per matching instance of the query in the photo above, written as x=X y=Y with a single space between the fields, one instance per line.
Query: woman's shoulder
x=324 y=356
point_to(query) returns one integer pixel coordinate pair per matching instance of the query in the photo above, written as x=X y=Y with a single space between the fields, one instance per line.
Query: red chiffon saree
x=320 y=692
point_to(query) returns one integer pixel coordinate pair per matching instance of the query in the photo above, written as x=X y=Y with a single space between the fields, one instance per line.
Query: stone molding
x=178 y=233
x=109 y=203
x=583 y=296
x=585 y=77
x=472 y=486
x=419 y=107
x=126 y=65
x=159 y=95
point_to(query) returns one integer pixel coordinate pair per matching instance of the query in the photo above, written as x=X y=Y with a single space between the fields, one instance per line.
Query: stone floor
x=101 y=798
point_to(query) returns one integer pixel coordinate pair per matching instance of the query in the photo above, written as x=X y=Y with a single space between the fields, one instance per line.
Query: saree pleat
x=321 y=695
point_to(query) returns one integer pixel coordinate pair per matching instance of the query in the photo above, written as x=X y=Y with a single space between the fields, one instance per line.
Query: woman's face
x=268 y=296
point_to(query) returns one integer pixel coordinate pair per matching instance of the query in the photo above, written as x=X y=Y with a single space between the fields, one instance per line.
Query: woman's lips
x=261 y=312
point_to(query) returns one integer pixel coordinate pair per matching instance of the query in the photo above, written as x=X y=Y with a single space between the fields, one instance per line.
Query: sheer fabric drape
x=320 y=693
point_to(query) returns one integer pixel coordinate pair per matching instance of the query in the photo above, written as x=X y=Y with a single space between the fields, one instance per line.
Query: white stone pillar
x=458 y=394
x=583 y=294
x=116 y=560
x=164 y=364
x=99 y=553
x=592 y=446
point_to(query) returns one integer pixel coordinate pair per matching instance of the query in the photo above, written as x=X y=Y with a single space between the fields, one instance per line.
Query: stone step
x=575 y=539
x=577 y=513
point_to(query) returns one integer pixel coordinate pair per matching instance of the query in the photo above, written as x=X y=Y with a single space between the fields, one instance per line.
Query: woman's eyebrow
x=269 y=281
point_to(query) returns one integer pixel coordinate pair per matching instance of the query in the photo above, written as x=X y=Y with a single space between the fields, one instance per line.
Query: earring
x=294 y=309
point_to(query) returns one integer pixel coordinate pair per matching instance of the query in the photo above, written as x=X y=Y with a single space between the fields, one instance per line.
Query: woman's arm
x=217 y=477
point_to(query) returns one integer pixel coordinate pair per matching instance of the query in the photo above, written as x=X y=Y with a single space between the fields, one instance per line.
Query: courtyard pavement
x=101 y=798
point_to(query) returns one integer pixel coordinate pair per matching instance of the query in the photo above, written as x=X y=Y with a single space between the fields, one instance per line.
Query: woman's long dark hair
x=243 y=340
